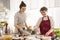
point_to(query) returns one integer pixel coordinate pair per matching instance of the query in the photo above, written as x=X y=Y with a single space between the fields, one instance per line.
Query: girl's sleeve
x=36 y=27
x=52 y=22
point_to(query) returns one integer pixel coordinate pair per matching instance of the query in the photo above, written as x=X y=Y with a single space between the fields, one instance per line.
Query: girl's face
x=44 y=13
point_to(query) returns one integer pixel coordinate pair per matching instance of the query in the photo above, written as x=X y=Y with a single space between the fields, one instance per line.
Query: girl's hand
x=47 y=34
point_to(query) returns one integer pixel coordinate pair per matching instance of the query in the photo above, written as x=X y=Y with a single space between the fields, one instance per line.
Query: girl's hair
x=43 y=8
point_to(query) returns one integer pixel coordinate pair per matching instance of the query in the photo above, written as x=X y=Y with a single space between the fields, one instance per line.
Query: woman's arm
x=16 y=23
x=22 y=31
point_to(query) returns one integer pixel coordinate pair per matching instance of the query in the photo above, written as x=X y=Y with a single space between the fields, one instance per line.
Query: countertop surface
x=30 y=37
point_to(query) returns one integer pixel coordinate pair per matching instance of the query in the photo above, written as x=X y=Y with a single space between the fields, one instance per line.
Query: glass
x=1 y=33
x=30 y=27
x=15 y=35
x=7 y=37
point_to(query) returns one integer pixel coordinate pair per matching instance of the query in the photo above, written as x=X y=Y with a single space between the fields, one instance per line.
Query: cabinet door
x=5 y=3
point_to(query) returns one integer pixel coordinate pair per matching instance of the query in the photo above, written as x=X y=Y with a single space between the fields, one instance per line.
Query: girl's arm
x=36 y=27
x=52 y=26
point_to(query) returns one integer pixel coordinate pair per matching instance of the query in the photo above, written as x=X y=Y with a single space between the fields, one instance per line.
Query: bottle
x=6 y=30
x=7 y=36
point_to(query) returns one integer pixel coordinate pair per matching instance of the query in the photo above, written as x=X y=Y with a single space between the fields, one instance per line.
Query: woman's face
x=23 y=9
x=44 y=13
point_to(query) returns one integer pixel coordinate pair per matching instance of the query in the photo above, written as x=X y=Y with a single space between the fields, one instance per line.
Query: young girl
x=46 y=24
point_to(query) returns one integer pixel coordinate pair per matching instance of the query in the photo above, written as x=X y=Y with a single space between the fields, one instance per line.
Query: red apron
x=45 y=27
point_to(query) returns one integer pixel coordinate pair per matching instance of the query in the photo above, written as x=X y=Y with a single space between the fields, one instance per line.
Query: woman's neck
x=21 y=12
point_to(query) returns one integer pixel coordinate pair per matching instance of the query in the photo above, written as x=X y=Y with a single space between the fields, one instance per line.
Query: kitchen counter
x=30 y=37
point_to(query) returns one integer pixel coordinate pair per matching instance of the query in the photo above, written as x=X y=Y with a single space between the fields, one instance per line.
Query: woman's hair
x=22 y=5
x=44 y=9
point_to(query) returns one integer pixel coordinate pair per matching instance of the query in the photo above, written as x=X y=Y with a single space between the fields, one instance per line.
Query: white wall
x=54 y=10
x=14 y=7
x=57 y=17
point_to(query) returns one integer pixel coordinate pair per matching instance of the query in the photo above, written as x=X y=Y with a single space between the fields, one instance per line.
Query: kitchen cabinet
x=5 y=3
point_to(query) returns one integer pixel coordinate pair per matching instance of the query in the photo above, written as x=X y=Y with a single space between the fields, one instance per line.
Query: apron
x=45 y=26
